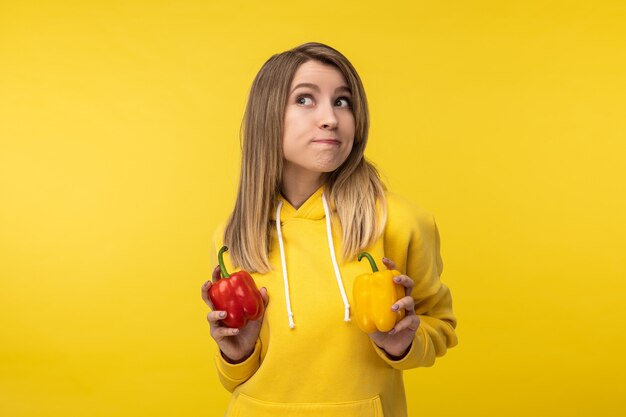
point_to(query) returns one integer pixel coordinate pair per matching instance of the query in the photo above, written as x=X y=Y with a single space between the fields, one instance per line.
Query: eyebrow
x=316 y=88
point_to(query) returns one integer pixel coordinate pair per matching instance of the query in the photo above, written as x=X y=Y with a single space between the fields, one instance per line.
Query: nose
x=328 y=118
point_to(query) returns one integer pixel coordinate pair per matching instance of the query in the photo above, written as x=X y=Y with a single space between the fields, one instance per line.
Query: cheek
x=348 y=126
x=349 y=133
x=348 y=150
x=288 y=131
x=292 y=127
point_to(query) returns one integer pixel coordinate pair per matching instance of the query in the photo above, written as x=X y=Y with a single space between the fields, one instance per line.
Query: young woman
x=308 y=204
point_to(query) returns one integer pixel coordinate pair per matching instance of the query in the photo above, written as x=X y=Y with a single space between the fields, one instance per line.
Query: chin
x=327 y=169
x=328 y=166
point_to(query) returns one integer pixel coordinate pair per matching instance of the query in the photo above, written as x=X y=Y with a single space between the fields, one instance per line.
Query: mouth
x=328 y=141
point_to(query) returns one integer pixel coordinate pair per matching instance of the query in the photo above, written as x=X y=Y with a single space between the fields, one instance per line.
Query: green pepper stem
x=220 y=259
x=369 y=258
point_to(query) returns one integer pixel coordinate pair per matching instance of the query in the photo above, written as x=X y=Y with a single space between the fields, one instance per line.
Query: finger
x=217 y=274
x=204 y=291
x=214 y=317
x=220 y=332
x=389 y=263
x=406 y=282
x=406 y=303
x=411 y=323
x=265 y=296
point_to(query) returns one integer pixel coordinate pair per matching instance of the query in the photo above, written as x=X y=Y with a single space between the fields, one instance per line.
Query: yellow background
x=119 y=125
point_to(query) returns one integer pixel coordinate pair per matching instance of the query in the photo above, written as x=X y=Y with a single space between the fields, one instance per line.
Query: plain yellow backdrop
x=119 y=153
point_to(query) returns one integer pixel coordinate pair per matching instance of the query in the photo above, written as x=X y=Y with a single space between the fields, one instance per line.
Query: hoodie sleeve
x=231 y=375
x=412 y=242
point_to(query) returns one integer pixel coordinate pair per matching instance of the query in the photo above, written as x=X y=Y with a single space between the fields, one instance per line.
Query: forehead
x=318 y=73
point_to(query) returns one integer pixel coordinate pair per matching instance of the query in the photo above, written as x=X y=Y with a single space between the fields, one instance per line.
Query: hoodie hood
x=311 y=209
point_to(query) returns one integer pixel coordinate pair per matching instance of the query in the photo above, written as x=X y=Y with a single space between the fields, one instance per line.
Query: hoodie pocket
x=246 y=406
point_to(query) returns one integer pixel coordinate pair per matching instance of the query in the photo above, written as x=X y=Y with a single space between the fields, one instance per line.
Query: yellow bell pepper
x=373 y=296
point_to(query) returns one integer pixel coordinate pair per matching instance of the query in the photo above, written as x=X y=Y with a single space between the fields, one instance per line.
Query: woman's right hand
x=236 y=345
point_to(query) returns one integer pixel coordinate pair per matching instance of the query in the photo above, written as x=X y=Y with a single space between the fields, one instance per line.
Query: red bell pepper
x=237 y=294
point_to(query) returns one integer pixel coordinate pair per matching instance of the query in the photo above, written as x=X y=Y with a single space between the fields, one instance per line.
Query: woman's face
x=319 y=124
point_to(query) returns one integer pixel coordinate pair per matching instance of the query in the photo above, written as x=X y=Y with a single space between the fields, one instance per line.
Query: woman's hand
x=236 y=345
x=398 y=340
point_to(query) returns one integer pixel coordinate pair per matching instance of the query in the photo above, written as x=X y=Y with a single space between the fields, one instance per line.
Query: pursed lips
x=329 y=141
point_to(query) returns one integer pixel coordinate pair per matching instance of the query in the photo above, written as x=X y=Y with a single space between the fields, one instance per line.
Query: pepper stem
x=369 y=258
x=220 y=260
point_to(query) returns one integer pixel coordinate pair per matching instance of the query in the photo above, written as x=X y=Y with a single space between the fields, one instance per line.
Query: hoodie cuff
x=412 y=358
x=239 y=372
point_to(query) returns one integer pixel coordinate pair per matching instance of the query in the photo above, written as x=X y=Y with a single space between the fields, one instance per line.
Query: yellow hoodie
x=324 y=365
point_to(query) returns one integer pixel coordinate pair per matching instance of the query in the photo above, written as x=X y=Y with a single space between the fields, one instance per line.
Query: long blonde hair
x=355 y=187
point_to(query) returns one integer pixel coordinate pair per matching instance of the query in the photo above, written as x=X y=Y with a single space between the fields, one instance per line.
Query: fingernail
x=205 y=284
x=395 y=307
x=392 y=331
x=397 y=279
x=235 y=331
x=385 y=259
x=223 y=314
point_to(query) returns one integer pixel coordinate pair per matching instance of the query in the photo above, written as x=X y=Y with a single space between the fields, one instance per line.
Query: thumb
x=265 y=296
x=216 y=276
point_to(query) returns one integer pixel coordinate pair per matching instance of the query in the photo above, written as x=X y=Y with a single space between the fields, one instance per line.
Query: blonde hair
x=354 y=189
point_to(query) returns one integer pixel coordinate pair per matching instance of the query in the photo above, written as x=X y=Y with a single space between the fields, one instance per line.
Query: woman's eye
x=303 y=100
x=343 y=102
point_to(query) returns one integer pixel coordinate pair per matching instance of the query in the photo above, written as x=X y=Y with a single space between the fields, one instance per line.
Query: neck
x=298 y=187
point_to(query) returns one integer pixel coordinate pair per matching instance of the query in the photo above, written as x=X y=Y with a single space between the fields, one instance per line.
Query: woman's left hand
x=397 y=341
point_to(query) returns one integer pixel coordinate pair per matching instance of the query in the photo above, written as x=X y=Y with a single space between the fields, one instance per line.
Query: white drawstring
x=284 y=265
x=331 y=245
x=332 y=256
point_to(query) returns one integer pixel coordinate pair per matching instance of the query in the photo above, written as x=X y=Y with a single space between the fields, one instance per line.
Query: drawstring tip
x=346 y=316
x=292 y=325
